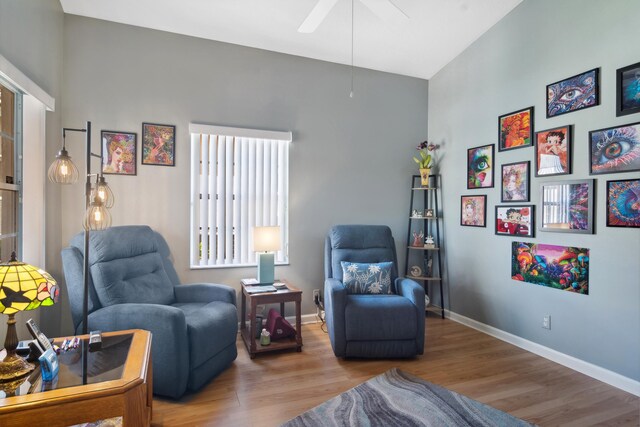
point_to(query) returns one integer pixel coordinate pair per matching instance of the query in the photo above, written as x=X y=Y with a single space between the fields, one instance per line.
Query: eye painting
x=480 y=167
x=575 y=93
x=616 y=149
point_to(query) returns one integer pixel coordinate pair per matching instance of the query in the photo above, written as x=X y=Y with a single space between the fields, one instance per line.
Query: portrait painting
x=515 y=220
x=559 y=267
x=118 y=152
x=473 y=211
x=628 y=90
x=158 y=144
x=515 y=182
x=623 y=203
x=567 y=206
x=553 y=151
x=515 y=130
x=480 y=167
x=615 y=149
x=574 y=93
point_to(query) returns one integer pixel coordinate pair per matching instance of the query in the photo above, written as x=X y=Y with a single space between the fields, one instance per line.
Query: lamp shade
x=266 y=239
x=103 y=192
x=25 y=287
x=63 y=170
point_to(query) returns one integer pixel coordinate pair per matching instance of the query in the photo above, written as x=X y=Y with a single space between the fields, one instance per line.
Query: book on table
x=255 y=289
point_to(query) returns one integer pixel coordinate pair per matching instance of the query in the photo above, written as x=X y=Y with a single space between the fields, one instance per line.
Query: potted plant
x=425 y=161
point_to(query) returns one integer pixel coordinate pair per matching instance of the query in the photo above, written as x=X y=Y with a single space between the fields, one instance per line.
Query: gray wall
x=538 y=43
x=350 y=158
x=31 y=39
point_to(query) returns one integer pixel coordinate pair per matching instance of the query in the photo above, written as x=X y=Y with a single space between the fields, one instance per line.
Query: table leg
x=252 y=326
x=282 y=309
x=299 y=324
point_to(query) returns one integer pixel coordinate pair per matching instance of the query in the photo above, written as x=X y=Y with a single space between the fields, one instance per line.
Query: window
x=239 y=180
x=10 y=176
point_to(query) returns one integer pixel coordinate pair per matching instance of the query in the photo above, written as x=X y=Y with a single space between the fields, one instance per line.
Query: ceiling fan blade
x=386 y=10
x=317 y=15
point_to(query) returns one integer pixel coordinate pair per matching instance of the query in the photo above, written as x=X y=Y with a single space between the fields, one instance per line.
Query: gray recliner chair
x=133 y=285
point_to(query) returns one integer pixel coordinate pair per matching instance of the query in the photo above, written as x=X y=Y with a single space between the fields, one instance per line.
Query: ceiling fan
x=385 y=9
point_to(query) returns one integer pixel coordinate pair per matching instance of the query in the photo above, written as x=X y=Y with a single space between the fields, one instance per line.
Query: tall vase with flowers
x=426 y=161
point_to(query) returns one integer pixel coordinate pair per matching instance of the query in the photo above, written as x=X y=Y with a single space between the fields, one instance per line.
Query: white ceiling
x=435 y=33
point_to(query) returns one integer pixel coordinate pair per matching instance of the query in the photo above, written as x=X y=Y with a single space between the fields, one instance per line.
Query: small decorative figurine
x=265 y=337
x=417 y=238
x=415 y=271
x=416 y=213
x=429 y=243
x=429 y=213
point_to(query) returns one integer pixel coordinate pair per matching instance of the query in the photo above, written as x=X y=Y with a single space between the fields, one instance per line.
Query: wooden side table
x=290 y=294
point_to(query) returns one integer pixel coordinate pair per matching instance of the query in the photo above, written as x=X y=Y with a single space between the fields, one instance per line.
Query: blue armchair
x=133 y=285
x=368 y=325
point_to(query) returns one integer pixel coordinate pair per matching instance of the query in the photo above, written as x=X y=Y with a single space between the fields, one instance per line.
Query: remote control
x=95 y=340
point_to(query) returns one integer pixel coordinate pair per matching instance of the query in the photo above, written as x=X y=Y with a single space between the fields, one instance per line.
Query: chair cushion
x=380 y=317
x=211 y=328
x=362 y=278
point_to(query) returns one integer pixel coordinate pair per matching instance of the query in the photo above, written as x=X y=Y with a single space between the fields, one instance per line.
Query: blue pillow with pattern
x=360 y=278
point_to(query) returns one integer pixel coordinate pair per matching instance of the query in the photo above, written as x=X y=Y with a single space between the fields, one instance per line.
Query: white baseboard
x=619 y=381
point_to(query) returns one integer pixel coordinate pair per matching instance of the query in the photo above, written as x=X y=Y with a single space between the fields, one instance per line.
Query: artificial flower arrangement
x=426 y=160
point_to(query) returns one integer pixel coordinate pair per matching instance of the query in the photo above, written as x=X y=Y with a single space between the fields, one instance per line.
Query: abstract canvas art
x=575 y=93
x=558 y=267
x=567 y=206
x=623 y=203
x=118 y=152
x=615 y=149
x=628 y=90
x=480 y=167
x=515 y=130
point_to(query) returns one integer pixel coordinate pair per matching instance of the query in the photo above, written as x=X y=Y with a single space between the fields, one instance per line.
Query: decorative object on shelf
x=559 y=267
x=265 y=338
x=279 y=327
x=429 y=267
x=553 y=151
x=473 y=211
x=515 y=220
x=118 y=152
x=628 y=90
x=97 y=199
x=22 y=287
x=266 y=241
x=429 y=242
x=417 y=238
x=480 y=167
x=158 y=144
x=515 y=130
x=416 y=213
x=426 y=161
x=429 y=213
x=415 y=271
x=574 y=93
x=623 y=203
x=515 y=182
x=567 y=206
x=615 y=149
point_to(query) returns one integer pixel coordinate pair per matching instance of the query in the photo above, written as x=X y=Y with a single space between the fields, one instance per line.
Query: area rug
x=396 y=398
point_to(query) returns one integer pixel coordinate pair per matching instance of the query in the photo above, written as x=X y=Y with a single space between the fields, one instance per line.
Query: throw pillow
x=362 y=278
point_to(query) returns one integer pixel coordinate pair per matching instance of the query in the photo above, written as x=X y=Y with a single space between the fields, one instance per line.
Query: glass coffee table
x=113 y=382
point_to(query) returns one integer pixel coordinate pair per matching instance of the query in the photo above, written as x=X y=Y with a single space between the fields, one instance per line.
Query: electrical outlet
x=546 y=322
x=316 y=296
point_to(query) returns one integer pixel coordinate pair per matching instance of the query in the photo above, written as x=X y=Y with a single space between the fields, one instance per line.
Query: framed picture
x=575 y=93
x=515 y=130
x=628 y=90
x=158 y=144
x=515 y=220
x=553 y=151
x=480 y=166
x=567 y=206
x=473 y=211
x=118 y=152
x=515 y=182
x=615 y=149
x=623 y=203
x=559 y=267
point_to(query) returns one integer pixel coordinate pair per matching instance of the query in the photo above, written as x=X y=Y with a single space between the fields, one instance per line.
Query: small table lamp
x=266 y=240
x=22 y=287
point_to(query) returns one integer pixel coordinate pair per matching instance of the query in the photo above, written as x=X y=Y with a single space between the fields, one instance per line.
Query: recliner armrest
x=412 y=290
x=335 y=302
x=204 y=292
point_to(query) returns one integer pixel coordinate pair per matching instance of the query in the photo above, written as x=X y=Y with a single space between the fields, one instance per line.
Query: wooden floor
x=275 y=387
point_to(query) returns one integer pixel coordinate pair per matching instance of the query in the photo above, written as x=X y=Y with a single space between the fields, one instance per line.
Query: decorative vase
x=424 y=176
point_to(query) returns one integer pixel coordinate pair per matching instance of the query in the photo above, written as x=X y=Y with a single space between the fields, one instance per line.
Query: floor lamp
x=98 y=198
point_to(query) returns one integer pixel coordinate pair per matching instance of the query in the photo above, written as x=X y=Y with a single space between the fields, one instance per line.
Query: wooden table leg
x=243 y=311
x=252 y=327
x=299 y=324
x=282 y=309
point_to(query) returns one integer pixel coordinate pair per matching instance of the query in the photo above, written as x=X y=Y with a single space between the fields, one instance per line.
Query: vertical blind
x=239 y=180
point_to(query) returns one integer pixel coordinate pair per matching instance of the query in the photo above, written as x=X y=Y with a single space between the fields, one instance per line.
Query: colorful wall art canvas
x=623 y=203
x=158 y=144
x=473 y=211
x=480 y=167
x=515 y=220
x=515 y=182
x=615 y=149
x=575 y=93
x=559 y=267
x=567 y=206
x=515 y=129
x=118 y=153
x=553 y=151
x=628 y=90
